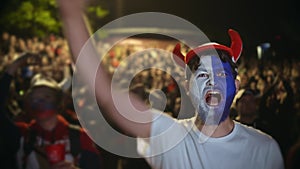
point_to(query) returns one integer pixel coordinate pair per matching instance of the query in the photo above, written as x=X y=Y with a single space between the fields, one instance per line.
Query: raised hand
x=23 y=60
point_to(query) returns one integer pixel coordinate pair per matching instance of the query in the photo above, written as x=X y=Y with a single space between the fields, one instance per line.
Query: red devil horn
x=236 y=44
x=178 y=56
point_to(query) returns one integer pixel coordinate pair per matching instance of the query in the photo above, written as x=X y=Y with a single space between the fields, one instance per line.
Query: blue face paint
x=212 y=89
x=230 y=90
x=43 y=109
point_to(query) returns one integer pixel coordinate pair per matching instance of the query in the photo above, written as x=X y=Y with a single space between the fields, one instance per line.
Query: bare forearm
x=88 y=66
x=75 y=30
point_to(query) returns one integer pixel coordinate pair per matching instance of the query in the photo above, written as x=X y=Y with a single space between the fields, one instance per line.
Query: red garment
x=58 y=134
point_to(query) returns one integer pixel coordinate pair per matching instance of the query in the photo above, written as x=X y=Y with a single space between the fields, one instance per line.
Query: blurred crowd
x=54 y=62
x=269 y=98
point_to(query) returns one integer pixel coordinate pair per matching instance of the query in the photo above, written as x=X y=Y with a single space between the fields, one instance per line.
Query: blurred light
x=265 y=46
x=259 y=52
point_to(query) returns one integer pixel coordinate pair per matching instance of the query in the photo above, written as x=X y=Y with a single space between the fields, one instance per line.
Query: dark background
x=258 y=21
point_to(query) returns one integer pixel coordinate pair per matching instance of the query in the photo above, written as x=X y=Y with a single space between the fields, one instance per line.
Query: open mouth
x=213 y=98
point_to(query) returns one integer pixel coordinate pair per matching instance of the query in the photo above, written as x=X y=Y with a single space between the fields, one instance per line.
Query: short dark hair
x=194 y=63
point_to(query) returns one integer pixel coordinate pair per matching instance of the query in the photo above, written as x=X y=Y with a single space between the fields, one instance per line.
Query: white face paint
x=212 y=89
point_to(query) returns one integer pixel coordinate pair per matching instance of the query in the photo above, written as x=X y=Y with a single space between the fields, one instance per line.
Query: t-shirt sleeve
x=274 y=158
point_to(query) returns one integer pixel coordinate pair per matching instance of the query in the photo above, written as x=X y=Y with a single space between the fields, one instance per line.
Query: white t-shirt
x=178 y=144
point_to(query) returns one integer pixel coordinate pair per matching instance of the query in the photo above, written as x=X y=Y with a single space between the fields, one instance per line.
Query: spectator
x=246 y=107
x=293 y=156
x=277 y=108
x=5 y=43
x=10 y=134
x=48 y=127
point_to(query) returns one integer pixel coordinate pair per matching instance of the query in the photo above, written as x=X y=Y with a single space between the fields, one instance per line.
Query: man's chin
x=212 y=119
x=209 y=122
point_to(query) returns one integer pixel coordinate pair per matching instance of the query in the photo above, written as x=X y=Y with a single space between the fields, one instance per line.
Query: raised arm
x=11 y=71
x=77 y=34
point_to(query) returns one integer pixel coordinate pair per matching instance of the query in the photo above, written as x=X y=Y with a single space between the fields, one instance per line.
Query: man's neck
x=221 y=130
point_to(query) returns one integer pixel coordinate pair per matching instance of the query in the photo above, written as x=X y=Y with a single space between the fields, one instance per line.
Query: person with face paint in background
x=42 y=102
x=208 y=140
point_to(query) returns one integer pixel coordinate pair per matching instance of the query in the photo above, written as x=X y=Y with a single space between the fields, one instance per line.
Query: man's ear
x=237 y=85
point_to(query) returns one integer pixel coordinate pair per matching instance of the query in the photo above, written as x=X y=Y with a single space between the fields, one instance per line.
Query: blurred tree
x=36 y=17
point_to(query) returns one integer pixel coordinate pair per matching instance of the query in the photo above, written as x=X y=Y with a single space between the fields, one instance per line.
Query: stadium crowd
x=269 y=98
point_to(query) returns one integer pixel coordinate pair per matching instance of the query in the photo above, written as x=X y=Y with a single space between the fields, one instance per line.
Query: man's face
x=212 y=89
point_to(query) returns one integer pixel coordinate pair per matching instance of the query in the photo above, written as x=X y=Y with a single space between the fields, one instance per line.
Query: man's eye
x=222 y=74
x=203 y=75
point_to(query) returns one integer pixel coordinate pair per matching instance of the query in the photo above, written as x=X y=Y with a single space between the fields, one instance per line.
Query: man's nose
x=211 y=81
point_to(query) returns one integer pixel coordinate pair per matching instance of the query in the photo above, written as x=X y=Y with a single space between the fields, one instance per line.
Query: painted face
x=43 y=102
x=212 y=89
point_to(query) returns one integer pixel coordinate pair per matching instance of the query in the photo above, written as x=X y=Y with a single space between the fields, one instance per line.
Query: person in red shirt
x=48 y=127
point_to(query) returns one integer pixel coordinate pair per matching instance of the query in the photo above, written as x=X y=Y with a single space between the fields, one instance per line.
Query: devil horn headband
x=234 y=51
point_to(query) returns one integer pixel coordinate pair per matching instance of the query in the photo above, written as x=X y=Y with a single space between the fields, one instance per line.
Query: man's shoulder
x=253 y=134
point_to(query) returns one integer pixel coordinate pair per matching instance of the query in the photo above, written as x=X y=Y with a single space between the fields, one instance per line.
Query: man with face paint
x=210 y=140
x=212 y=89
x=213 y=139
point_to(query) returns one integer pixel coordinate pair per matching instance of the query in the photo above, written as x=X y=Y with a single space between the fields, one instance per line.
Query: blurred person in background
x=293 y=155
x=10 y=134
x=246 y=106
x=277 y=108
x=43 y=103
